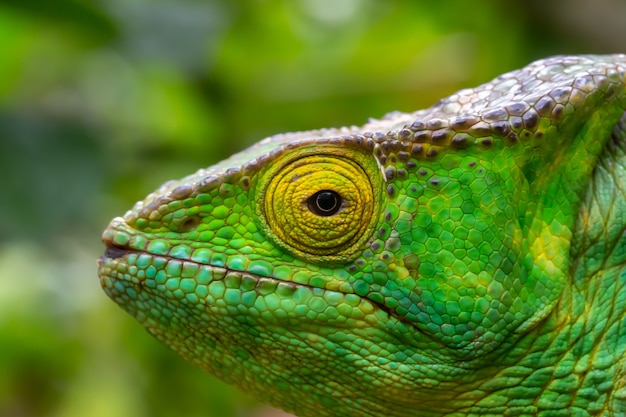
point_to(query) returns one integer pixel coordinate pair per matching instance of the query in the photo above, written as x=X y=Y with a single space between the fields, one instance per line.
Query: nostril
x=190 y=223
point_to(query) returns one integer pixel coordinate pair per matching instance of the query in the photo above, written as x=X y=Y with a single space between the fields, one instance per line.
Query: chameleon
x=468 y=259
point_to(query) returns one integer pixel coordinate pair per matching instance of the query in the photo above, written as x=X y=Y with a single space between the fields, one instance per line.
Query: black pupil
x=325 y=203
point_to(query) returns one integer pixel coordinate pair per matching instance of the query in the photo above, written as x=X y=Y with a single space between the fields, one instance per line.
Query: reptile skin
x=464 y=260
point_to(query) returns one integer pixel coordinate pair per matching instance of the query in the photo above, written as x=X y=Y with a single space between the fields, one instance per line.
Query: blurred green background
x=102 y=101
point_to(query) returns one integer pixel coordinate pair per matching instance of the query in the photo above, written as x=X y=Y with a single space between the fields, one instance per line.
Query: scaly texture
x=468 y=259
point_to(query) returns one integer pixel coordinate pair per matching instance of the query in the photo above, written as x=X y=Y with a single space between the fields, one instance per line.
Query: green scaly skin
x=467 y=259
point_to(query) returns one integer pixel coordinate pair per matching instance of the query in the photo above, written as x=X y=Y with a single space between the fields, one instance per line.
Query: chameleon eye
x=325 y=203
x=319 y=204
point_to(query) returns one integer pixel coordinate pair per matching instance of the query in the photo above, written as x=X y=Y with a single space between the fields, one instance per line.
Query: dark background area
x=102 y=101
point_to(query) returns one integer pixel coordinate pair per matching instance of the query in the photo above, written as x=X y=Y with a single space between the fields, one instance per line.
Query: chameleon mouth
x=116 y=255
x=114 y=262
x=117 y=261
x=122 y=250
x=227 y=292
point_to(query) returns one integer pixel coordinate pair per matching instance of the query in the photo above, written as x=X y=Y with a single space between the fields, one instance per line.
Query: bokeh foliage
x=102 y=101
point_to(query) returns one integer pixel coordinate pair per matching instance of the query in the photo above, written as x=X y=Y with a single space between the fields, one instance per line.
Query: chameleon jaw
x=236 y=314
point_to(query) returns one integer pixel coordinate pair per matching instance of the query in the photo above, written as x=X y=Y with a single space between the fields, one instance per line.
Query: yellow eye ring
x=321 y=203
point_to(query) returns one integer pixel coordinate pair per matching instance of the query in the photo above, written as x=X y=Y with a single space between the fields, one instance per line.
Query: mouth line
x=115 y=251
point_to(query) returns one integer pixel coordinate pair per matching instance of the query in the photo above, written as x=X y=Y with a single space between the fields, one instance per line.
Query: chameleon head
x=363 y=268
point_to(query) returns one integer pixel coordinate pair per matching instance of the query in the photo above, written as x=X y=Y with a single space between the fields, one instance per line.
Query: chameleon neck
x=574 y=358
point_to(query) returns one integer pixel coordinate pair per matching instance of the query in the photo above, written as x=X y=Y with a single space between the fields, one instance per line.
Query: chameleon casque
x=464 y=260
